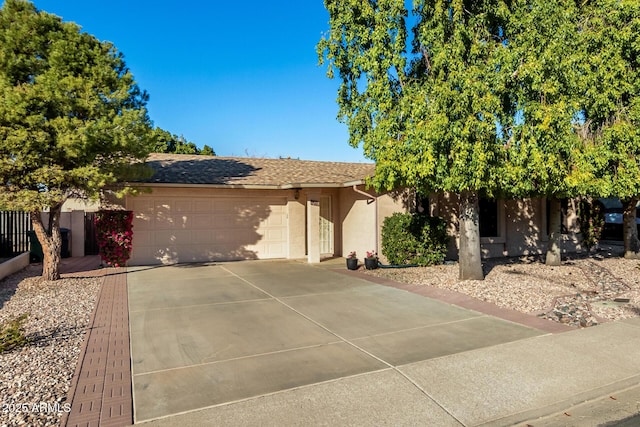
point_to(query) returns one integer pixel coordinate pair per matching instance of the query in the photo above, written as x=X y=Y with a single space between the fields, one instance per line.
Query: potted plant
x=371 y=261
x=352 y=261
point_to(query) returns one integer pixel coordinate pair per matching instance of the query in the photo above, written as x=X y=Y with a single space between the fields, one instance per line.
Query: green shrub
x=12 y=334
x=414 y=239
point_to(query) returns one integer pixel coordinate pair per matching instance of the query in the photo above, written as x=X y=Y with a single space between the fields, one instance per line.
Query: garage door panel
x=182 y=205
x=181 y=237
x=203 y=237
x=143 y=238
x=173 y=237
x=275 y=234
x=200 y=221
x=164 y=220
x=202 y=205
x=275 y=248
x=277 y=220
x=223 y=220
x=179 y=229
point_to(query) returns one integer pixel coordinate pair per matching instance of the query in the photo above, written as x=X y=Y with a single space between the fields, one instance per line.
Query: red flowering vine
x=115 y=236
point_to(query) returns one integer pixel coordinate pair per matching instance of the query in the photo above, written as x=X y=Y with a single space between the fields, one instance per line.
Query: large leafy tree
x=544 y=64
x=610 y=158
x=428 y=113
x=72 y=119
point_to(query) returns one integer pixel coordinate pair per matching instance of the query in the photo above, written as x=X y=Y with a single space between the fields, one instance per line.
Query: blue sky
x=242 y=77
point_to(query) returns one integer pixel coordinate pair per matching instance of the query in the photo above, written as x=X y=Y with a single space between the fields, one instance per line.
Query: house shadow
x=238 y=239
x=524 y=229
x=199 y=170
x=568 y=259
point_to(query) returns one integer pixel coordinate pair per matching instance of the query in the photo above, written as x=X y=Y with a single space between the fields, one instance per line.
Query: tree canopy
x=166 y=142
x=428 y=115
x=610 y=157
x=544 y=68
x=484 y=98
x=72 y=118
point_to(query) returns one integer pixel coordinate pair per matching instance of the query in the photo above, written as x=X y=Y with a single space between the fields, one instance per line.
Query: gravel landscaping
x=583 y=291
x=35 y=379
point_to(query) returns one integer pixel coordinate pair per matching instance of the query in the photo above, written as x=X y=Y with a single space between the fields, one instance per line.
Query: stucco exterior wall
x=387 y=205
x=358 y=219
x=80 y=205
x=362 y=218
x=297 y=230
x=522 y=226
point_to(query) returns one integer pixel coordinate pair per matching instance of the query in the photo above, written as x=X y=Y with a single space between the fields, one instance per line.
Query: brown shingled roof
x=282 y=173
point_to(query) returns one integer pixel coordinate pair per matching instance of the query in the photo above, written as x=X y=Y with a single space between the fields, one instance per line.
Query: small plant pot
x=371 y=263
x=352 y=263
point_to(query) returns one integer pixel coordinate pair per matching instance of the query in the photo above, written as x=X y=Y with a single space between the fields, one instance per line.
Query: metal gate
x=14 y=226
x=90 y=235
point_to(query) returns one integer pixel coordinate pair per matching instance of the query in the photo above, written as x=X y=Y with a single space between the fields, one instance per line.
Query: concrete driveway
x=207 y=335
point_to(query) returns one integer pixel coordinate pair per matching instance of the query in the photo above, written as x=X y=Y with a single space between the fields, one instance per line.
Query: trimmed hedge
x=414 y=239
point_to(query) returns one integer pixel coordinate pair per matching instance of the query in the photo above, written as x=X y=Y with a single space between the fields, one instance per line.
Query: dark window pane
x=422 y=204
x=564 y=209
x=488 y=218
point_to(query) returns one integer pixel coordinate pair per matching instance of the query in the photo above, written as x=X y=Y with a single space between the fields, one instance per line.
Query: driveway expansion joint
x=357 y=347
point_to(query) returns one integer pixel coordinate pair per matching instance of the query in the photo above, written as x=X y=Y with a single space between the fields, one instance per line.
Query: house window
x=488 y=218
x=564 y=208
x=422 y=204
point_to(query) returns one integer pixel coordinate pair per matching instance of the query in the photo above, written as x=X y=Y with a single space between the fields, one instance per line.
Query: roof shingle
x=196 y=169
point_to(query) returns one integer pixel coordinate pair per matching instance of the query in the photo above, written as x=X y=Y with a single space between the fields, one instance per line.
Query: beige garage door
x=197 y=229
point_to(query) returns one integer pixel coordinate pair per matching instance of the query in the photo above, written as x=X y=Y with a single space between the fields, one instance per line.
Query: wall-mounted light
x=296 y=194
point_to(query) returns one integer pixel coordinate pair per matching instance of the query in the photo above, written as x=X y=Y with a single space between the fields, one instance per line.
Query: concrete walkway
x=285 y=343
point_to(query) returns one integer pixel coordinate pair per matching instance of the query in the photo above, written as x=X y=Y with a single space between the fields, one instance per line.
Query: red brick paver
x=465 y=301
x=100 y=393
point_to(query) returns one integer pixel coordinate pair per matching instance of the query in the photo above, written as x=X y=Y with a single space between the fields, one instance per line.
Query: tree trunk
x=630 y=229
x=469 y=251
x=50 y=240
x=554 y=254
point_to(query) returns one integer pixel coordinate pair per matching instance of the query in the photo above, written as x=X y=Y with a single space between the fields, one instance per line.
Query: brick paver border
x=100 y=392
x=465 y=301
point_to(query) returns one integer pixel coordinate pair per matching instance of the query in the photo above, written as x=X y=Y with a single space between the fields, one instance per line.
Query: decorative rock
x=527 y=285
x=40 y=373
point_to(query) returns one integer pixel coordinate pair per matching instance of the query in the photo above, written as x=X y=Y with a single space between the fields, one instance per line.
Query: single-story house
x=201 y=208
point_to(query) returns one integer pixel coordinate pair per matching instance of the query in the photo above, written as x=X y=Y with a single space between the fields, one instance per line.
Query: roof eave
x=288 y=186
